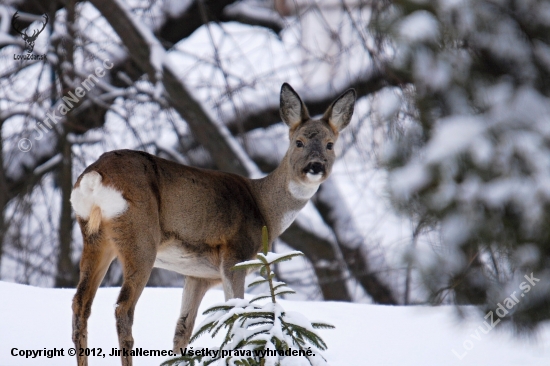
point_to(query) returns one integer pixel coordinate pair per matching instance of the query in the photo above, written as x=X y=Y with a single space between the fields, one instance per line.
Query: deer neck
x=280 y=197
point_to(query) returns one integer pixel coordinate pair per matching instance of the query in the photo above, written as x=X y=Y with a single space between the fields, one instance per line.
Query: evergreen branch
x=217 y=308
x=260 y=298
x=318 y=325
x=257 y=282
x=285 y=292
x=243 y=266
x=286 y=258
x=259 y=342
x=259 y=314
x=310 y=336
x=228 y=336
x=205 y=328
x=279 y=285
x=262 y=258
x=260 y=323
x=226 y=323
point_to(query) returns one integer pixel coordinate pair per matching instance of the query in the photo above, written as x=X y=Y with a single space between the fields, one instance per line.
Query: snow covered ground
x=34 y=318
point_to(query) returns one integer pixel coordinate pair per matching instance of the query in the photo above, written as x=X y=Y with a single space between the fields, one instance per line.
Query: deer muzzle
x=315 y=168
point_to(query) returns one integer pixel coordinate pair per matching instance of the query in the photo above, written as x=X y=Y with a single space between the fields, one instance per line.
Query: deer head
x=311 y=152
x=29 y=40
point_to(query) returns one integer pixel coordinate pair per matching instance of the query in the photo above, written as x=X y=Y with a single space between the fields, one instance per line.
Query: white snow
x=409 y=179
x=388 y=103
x=38 y=318
x=57 y=158
x=272 y=257
x=419 y=26
x=452 y=136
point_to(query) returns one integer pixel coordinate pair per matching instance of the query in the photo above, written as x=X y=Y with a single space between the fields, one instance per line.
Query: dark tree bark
x=182 y=26
x=321 y=254
x=66 y=274
x=4 y=196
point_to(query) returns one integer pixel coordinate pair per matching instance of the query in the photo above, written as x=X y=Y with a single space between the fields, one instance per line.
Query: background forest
x=441 y=193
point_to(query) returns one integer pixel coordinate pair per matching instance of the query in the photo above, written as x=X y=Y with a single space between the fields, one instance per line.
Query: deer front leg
x=233 y=281
x=193 y=292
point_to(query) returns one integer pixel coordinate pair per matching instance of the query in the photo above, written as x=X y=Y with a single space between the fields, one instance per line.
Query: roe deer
x=150 y=212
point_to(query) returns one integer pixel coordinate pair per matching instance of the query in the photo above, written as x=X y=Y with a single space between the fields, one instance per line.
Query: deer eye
x=330 y=145
x=299 y=143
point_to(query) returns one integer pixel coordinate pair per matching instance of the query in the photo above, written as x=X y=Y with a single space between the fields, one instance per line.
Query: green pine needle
x=218 y=308
x=318 y=325
x=257 y=282
x=240 y=267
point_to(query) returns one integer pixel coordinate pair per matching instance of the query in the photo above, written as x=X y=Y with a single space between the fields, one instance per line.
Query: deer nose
x=315 y=168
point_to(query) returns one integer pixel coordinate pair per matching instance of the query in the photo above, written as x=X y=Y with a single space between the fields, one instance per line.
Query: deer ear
x=340 y=111
x=293 y=111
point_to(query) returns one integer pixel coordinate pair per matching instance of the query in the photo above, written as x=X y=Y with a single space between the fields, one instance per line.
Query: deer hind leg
x=97 y=255
x=193 y=292
x=137 y=256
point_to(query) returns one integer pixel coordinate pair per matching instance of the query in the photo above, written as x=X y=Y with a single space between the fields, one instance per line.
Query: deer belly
x=176 y=258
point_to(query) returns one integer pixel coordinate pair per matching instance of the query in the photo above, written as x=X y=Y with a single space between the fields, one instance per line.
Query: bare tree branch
x=183 y=25
x=257 y=16
x=270 y=115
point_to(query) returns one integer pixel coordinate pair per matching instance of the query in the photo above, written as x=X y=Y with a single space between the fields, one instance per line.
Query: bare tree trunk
x=326 y=264
x=66 y=272
x=408 y=276
x=4 y=195
x=351 y=243
x=66 y=275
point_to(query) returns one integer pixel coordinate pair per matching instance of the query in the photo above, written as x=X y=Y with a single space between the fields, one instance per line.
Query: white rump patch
x=303 y=191
x=91 y=192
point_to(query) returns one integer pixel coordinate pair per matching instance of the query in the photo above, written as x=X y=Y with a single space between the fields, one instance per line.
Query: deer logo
x=29 y=40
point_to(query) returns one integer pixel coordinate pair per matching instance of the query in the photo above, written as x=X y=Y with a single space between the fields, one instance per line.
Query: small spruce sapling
x=259 y=335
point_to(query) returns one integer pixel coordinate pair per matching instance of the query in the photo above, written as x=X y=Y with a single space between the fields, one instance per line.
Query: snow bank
x=38 y=318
